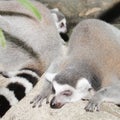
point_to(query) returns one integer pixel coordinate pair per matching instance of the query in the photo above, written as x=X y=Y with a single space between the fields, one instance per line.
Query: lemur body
x=92 y=65
x=29 y=45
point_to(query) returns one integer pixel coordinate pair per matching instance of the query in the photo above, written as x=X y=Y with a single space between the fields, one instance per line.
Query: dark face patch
x=64 y=36
x=28 y=77
x=18 y=89
x=4 y=105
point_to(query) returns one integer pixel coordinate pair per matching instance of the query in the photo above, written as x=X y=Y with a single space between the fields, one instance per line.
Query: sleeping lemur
x=90 y=70
x=60 y=22
x=29 y=44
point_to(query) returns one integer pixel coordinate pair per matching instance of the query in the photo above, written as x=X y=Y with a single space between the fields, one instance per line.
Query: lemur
x=60 y=22
x=90 y=70
x=30 y=49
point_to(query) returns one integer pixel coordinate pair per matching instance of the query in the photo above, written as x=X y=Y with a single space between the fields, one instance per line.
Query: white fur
x=9 y=95
x=13 y=73
x=80 y=92
x=55 y=9
x=63 y=29
x=28 y=86
x=50 y=76
x=55 y=18
x=60 y=88
x=29 y=72
x=83 y=86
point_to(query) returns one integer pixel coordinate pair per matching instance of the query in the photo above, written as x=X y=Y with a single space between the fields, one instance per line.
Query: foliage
x=2 y=39
x=27 y=4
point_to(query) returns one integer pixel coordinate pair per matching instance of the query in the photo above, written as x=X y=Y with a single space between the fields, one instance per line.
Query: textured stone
x=72 y=111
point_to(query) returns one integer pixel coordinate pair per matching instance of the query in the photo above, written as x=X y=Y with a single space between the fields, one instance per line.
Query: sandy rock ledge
x=72 y=111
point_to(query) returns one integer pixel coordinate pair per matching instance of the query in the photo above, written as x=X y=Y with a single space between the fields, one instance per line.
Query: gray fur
x=93 y=53
x=73 y=72
x=34 y=39
x=21 y=44
x=109 y=94
x=59 y=14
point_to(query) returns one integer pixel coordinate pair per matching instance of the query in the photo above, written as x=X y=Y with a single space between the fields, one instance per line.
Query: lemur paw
x=92 y=106
x=37 y=101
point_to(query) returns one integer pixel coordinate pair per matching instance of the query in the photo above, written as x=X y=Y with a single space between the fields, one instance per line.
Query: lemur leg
x=47 y=88
x=108 y=94
x=44 y=94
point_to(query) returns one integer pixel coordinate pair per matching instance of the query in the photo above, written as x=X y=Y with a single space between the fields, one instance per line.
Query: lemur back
x=98 y=44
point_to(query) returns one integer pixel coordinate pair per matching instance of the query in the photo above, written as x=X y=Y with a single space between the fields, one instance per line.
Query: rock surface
x=72 y=111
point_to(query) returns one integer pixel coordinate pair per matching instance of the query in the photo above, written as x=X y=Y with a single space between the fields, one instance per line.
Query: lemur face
x=65 y=93
x=61 y=26
x=59 y=20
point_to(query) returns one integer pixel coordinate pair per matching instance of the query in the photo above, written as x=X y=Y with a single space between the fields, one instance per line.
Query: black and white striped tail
x=20 y=83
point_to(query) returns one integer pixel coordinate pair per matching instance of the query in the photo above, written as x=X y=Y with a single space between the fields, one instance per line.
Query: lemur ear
x=55 y=9
x=50 y=76
x=55 y=17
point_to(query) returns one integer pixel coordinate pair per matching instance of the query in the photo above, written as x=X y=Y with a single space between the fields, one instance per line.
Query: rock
x=72 y=111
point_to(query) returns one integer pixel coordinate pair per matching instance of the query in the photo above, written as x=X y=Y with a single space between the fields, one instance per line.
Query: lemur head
x=65 y=93
x=59 y=20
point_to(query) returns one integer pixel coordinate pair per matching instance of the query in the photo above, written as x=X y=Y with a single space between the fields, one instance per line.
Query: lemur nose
x=52 y=103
